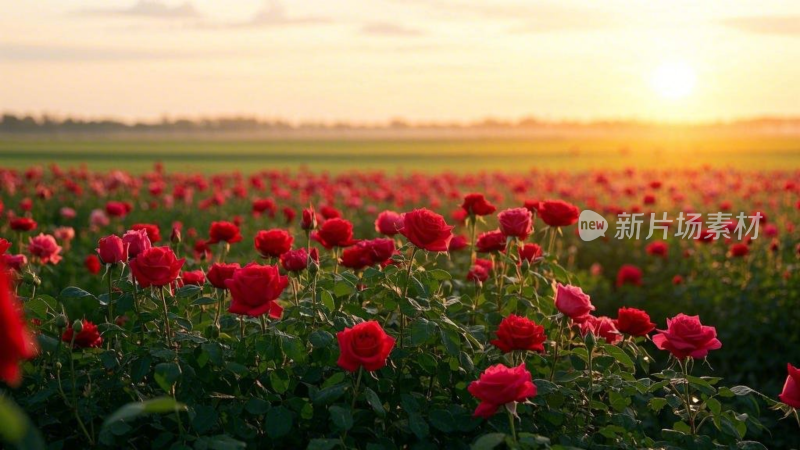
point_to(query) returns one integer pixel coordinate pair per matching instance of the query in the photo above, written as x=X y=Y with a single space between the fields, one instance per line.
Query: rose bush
x=532 y=349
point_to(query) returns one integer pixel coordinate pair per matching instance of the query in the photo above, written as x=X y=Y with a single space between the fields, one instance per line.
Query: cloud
x=772 y=25
x=389 y=29
x=274 y=14
x=32 y=53
x=527 y=17
x=147 y=8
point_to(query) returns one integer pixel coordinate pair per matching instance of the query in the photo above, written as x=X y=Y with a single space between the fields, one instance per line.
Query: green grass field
x=406 y=155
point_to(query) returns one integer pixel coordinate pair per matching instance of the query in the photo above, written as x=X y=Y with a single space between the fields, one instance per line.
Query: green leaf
x=657 y=403
x=341 y=417
x=375 y=402
x=322 y=444
x=418 y=425
x=442 y=420
x=202 y=301
x=489 y=441
x=682 y=427
x=205 y=418
x=327 y=301
x=220 y=442
x=190 y=290
x=166 y=375
x=620 y=355
x=741 y=390
x=278 y=422
x=714 y=406
x=421 y=331
x=40 y=305
x=78 y=303
x=320 y=338
x=279 y=380
x=16 y=428
x=342 y=289
x=47 y=343
x=439 y=274
x=161 y=405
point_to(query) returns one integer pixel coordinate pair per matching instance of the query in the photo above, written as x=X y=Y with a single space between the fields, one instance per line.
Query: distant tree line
x=12 y=123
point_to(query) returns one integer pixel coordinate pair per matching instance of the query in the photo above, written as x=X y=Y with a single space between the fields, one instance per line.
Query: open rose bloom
x=500 y=386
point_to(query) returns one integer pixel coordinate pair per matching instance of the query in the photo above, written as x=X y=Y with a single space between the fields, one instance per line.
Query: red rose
x=485 y=263
x=335 y=233
x=356 y=257
x=309 y=219
x=686 y=336
x=329 y=212
x=476 y=204
x=264 y=205
x=478 y=274
x=516 y=222
x=254 y=289
x=500 y=385
x=288 y=214
x=112 y=249
x=18 y=343
x=22 y=224
x=389 y=223
x=88 y=337
x=45 y=248
x=629 y=274
x=791 y=389
x=365 y=345
x=136 y=242
x=14 y=262
x=219 y=272
x=224 y=232
x=658 y=248
x=573 y=303
x=273 y=243
x=739 y=250
x=558 y=213
x=92 y=264
x=193 y=277
x=602 y=327
x=491 y=241
x=459 y=242
x=634 y=322
x=4 y=246
x=156 y=266
x=519 y=333
x=294 y=260
x=380 y=249
x=677 y=280
x=530 y=253
x=116 y=209
x=153 y=232
x=427 y=230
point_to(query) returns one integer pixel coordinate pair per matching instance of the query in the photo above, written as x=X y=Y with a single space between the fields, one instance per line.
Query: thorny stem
x=688 y=398
x=167 y=329
x=473 y=225
x=136 y=306
x=110 y=317
x=555 y=351
x=405 y=294
x=74 y=403
x=511 y=423
x=220 y=301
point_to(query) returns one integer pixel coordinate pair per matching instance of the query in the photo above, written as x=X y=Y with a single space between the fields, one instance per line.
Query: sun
x=673 y=80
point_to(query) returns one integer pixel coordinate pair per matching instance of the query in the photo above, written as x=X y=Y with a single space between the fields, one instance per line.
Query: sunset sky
x=372 y=60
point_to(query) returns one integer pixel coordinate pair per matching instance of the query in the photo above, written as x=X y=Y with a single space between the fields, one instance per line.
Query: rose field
x=298 y=309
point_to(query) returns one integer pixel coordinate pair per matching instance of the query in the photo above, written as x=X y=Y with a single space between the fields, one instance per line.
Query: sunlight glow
x=673 y=80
